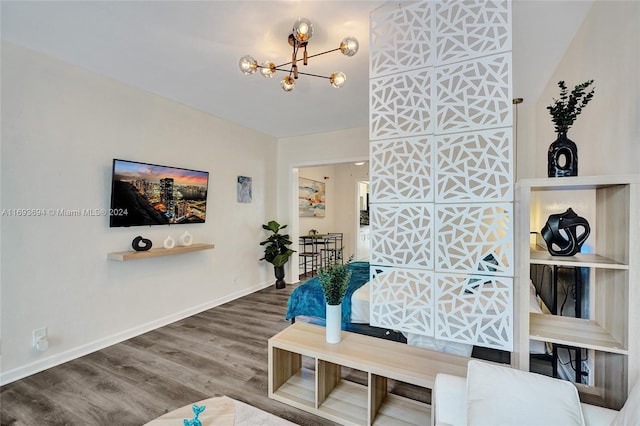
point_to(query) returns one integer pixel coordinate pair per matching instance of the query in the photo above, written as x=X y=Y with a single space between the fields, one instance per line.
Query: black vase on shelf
x=562 y=157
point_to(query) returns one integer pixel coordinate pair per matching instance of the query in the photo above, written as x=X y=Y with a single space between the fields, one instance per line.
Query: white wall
x=61 y=128
x=607 y=132
x=342 y=146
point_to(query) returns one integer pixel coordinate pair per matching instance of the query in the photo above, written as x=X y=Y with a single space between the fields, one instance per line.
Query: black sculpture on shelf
x=137 y=241
x=560 y=233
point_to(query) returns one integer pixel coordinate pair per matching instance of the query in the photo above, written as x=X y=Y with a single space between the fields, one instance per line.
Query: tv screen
x=149 y=194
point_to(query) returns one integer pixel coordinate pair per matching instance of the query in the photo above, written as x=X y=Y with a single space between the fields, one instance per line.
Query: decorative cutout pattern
x=475 y=166
x=469 y=29
x=467 y=233
x=441 y=170
x=402 y=235
x=401 y=38
x=402 y=299
x=400 y=105
x=481 y=315
x=401 y=170
x=474 y=95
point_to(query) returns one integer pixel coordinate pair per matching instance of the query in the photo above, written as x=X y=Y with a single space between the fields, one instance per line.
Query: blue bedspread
x=308 y=298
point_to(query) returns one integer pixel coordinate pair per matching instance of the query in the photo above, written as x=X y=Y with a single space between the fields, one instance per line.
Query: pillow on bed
x=498 y=395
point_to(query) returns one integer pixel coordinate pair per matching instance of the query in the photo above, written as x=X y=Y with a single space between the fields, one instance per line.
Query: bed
x=307 y=300
x=307 y=303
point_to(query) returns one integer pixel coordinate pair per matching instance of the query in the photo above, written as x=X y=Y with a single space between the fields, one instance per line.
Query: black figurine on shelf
x=560 y=233
x=141 y=244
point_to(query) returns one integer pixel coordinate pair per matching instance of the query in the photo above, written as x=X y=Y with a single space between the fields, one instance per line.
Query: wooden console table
x=321 y=390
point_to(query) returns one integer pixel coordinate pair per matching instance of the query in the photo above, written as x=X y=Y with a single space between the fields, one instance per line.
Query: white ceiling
x=188 y=51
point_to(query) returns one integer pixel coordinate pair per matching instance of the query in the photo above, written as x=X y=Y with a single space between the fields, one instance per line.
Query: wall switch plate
x=40 y=333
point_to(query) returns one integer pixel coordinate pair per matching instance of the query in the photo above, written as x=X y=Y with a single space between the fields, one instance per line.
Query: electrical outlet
x=40 y=333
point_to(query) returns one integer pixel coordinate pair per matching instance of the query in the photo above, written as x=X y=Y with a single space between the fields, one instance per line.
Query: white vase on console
x=334 y=323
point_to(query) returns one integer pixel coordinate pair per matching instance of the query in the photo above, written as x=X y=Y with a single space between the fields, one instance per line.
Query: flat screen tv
x=149 y=194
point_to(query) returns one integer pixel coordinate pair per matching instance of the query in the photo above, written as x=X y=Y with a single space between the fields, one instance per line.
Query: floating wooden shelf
x=571 y=331
x=136 y=255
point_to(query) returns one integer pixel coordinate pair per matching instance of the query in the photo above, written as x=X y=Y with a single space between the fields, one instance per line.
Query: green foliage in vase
x=334 y=280
x=276 y=247
x=565 y=110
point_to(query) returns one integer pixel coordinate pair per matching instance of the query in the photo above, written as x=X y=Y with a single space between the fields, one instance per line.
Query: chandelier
x=298 y=40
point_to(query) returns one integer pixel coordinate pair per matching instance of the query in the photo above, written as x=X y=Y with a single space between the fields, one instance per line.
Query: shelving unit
x=137 y=255
x=305 y=372
x=613 y=326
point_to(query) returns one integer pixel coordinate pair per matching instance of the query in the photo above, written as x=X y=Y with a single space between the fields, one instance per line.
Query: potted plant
x=563 y=153
x=334 y=280
x=276 y=250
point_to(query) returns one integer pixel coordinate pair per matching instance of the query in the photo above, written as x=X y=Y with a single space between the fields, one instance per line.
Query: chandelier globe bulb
x=268 y=69
x=288 y=83
x=302 y=30
x=248 y=65
x=338 y=79
x=349 y=46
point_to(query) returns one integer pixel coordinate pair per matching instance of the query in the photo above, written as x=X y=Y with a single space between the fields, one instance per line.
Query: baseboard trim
x=69 y=355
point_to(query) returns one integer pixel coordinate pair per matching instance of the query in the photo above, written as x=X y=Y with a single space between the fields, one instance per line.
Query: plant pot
x=562 y=157
x=334 y=323
x=279 y=272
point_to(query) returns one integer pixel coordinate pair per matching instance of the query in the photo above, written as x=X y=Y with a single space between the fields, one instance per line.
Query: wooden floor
x=222 y=351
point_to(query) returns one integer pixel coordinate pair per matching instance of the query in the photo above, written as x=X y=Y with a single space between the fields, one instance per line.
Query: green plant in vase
x=563 y=153
x=276 y=250
x=334 y=280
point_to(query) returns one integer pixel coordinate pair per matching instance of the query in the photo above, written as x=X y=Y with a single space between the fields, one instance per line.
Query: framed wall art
x=311 y=201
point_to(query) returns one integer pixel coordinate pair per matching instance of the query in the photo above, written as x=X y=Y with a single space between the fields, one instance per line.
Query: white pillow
x=630 y=412
x=500 y=395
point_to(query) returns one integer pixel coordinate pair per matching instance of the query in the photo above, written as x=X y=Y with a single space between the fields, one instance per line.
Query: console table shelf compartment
x=570 y=331
x=347 y=402
x=136 y=255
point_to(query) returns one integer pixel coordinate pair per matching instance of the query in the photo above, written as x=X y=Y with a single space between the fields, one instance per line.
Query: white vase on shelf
x=186 y=239
x=169 y=242
x=334 y=323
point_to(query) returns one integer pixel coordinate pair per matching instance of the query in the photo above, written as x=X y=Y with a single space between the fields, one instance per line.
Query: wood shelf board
x=419 y=366
x=397 y=410
x=346 y=402
x=589 y=260
x=576 y=182
x=570 y=331
x=136 y=255
x=299 y=388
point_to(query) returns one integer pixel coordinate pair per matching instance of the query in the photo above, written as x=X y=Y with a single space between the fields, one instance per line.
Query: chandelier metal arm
x=287 y=70
x=308 y=57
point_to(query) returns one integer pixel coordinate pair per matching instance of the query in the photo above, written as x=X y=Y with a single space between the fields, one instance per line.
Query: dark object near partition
x=141 y=244
x=562 y=157
x=560 y=233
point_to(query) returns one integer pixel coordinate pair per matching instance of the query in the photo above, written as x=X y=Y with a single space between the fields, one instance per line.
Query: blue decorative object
x=308 y=298
x=197 y=409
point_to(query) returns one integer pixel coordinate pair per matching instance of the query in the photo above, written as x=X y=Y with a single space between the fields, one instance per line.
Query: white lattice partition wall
x=442 y=170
